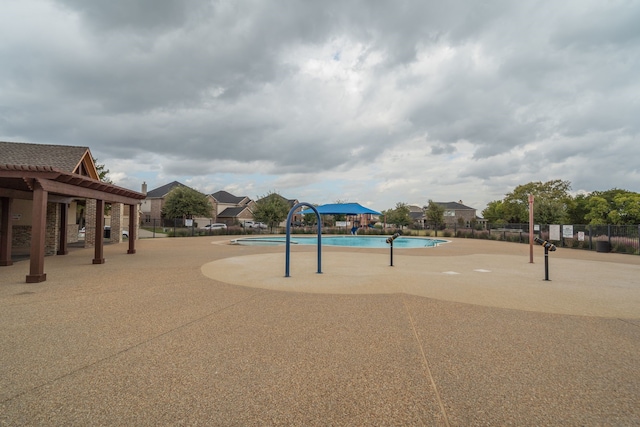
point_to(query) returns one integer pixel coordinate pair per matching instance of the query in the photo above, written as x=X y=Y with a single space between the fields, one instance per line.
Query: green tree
x=577 y=209
x=399 y=216
x=610 y=195
x=185 y=202
x=271 y=209
x=310 y=218
x=627 y=209
x=615 y=206
x=434 y=214
x=494 y=212
x=102 y=172
x=551 y=201
x=597 y=210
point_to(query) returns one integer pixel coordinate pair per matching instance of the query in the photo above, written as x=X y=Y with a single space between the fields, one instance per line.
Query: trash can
x=107 y=232
x=603 y=246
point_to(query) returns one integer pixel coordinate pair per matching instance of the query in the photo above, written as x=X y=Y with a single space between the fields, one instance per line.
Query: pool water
x=349 y=241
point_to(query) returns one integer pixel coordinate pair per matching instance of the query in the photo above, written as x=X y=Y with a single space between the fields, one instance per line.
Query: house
x=151 y=207
x=230 y=209
x=416 y=213
x=457 y=214
x=41 y=189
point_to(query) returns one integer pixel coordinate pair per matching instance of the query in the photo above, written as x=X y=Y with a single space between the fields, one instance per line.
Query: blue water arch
x=288 y=240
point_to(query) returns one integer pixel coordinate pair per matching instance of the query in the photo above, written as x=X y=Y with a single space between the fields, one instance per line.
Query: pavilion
x=50 y=178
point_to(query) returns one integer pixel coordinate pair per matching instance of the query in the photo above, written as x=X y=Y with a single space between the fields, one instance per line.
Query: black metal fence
x=179 y=227
x=601 y=238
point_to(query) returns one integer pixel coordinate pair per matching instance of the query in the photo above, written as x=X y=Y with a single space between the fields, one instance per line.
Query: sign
x=536 y=227
x=567 y=231
x=554 y=232
x=581 y=236
x=188 y=222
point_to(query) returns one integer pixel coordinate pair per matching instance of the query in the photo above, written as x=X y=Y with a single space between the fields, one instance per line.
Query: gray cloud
x=311 y=87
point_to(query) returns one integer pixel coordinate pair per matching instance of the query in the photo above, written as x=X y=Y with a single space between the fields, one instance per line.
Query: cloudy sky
x=367 y=101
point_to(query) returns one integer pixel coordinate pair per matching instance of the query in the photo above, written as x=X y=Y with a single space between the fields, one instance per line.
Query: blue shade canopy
x=342 y=208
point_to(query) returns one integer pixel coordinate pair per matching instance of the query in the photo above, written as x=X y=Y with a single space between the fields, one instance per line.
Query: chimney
x=144 y=188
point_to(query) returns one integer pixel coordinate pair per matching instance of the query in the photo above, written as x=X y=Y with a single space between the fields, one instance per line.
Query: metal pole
x=530 y=228
x=546 y=264
x=391 y=249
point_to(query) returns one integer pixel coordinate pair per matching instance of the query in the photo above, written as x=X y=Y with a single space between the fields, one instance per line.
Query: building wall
x=156 y=209
x=21 y=212
x=466 y=215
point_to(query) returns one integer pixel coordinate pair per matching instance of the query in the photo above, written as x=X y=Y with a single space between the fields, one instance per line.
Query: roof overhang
x=18 y=181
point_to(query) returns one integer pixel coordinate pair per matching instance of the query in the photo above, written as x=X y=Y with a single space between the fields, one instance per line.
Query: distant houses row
x=232 y=210
x=225 y=207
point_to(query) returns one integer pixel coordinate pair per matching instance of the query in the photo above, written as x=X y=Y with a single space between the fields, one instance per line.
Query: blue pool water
x=350 y=241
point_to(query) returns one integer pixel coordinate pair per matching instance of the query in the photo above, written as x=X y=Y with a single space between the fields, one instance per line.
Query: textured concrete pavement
x=195 y=331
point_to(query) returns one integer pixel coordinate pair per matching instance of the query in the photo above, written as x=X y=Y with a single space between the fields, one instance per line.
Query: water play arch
x=288 y=240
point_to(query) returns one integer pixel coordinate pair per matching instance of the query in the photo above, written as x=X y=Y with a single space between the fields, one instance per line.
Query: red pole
x=531 y=228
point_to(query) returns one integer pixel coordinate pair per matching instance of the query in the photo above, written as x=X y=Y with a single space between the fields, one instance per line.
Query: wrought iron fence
x=179 y=227
x=601 y=238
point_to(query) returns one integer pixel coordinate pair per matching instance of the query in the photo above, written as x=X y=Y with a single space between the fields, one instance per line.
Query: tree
x=597 y=210
x=185 y=202
x=627 y=209
x=577 y=209
x=494 y=212
x=310 y=218
x=102 y=172
x=271 y=209
x=550 y=204
x=399 y=216
x=434 y=213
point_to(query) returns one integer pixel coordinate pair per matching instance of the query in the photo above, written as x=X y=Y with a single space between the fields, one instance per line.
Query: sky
x=375 y=102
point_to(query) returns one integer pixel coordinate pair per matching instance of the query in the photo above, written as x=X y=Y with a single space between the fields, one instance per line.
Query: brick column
x=116 y=222
x=52 y=232
x=90 y=223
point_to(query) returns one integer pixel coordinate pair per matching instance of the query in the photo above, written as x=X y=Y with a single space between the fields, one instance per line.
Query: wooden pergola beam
x=88 y=193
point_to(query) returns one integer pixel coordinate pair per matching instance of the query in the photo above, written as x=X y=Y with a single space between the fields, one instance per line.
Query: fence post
x=590 y=238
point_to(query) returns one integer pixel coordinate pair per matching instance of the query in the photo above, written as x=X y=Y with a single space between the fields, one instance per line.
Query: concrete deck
x=194 y=331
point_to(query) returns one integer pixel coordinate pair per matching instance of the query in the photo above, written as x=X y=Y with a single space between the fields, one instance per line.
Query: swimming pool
x=349 y=241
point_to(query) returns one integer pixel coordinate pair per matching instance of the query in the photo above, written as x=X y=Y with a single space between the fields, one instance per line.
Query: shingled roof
x=160 y=192
x=65 y=158
x=226 y=197
x=232 y=212
x=454 y=206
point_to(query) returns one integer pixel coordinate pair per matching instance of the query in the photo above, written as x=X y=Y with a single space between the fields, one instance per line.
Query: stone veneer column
x=52 y=232
x=116 y=222
x=90 y=223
